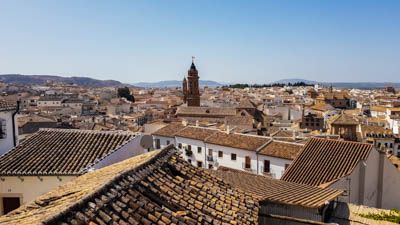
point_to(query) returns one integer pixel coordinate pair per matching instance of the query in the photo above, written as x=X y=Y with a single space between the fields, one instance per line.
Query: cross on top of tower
x=192 y=59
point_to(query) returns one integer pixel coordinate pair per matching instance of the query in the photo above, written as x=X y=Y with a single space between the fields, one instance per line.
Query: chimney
x=197 y=123
x=184 y=123
x=228 y=130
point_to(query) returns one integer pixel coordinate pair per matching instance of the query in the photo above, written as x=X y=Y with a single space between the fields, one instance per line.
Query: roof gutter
x=13 y=123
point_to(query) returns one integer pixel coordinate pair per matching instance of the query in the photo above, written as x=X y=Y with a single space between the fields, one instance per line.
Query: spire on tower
x=192 y=67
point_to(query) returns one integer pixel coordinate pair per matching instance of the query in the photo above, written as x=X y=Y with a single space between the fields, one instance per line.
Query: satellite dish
x=146 y=141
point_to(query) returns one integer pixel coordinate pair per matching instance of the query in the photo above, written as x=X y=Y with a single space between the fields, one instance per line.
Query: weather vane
x=192 y=59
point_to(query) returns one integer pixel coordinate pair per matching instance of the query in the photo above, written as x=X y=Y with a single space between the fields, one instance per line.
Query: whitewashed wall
x=195 y=156
x=7 y=143
x=277 y=165
x=127 y=151
x=226 y=159
x=163 y=141
x=30 y=188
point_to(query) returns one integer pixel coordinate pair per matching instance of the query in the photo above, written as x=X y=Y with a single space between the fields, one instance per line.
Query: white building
x=52 y=157
x=212 y=148
x=8 y=126
x=49 y=102
x=393 y=117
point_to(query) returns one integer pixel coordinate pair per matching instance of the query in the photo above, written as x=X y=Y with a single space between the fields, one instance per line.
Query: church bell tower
x=192 y=95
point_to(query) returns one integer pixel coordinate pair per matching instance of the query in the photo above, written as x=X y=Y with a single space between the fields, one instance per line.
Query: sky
x=232 y=41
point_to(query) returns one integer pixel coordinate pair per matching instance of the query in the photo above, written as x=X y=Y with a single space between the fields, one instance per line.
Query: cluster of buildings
x=198 y=155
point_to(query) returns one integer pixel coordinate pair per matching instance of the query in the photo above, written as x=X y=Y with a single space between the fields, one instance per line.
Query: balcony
x=188 y=152
x=210 y=158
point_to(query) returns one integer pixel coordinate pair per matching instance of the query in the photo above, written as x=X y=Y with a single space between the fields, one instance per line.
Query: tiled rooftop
x=280 y=149
x=322 y=161
x=170 y=130
x=247 y=142
x=154 y=188
x=269 y=189
x=205 y=111
x=61 y=152
x=343 y=119
x=197 y=133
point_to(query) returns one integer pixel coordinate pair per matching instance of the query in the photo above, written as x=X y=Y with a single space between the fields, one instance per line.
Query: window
x=210 y=166
x=233 y=156
x=10 y=203
x=391 y=145
x=180 y=145
x=189 y=147
x=198 y=149
x=267 y=168
x=398 y=147
x=158 y=145
x=199 y=164
x=220 y=154
x=247 y=162
x=190 y=161
x=168 y=142
x=210 y=151
x=3 y=130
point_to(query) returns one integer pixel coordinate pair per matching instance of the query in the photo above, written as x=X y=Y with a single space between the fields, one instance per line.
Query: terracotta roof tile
x=279 y=149
x=245 y=103
x=154 y=188
x=323 y=160
x=270 y=189
x=197 y=133
x=247 y=142
x=61 y=152
x=205 y=111
x=170 y=130
x=343 y=119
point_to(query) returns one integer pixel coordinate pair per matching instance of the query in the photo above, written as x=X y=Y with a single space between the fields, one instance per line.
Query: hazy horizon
x=233 y=42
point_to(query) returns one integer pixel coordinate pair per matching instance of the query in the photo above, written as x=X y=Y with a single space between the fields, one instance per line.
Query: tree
x=125 y=93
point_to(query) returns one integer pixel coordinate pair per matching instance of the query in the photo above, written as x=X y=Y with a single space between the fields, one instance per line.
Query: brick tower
x=192 y=93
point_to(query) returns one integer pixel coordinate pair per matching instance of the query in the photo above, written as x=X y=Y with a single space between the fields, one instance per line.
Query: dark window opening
x=267 y=168
x=10 y=203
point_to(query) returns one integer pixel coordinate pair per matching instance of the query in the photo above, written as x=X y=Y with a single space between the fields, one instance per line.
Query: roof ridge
x=340 y=140
x=88 y=131
x=288 y=142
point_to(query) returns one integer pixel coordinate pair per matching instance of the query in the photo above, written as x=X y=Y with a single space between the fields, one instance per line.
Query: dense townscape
x=268 y=154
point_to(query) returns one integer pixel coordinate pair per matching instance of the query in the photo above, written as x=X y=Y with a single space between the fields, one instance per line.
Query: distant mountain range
x=175 y=83
x=42 y=79
x=361 y=85
x=86 y=81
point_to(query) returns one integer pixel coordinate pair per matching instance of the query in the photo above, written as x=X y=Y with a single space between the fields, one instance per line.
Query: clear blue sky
x=233 y=41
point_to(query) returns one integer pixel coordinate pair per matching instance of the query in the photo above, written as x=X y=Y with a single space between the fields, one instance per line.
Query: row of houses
x=365 y=172
x=212 y=148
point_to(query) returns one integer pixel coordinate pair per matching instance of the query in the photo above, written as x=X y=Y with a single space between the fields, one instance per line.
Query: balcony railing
x=210 y=158
x=188 y=152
